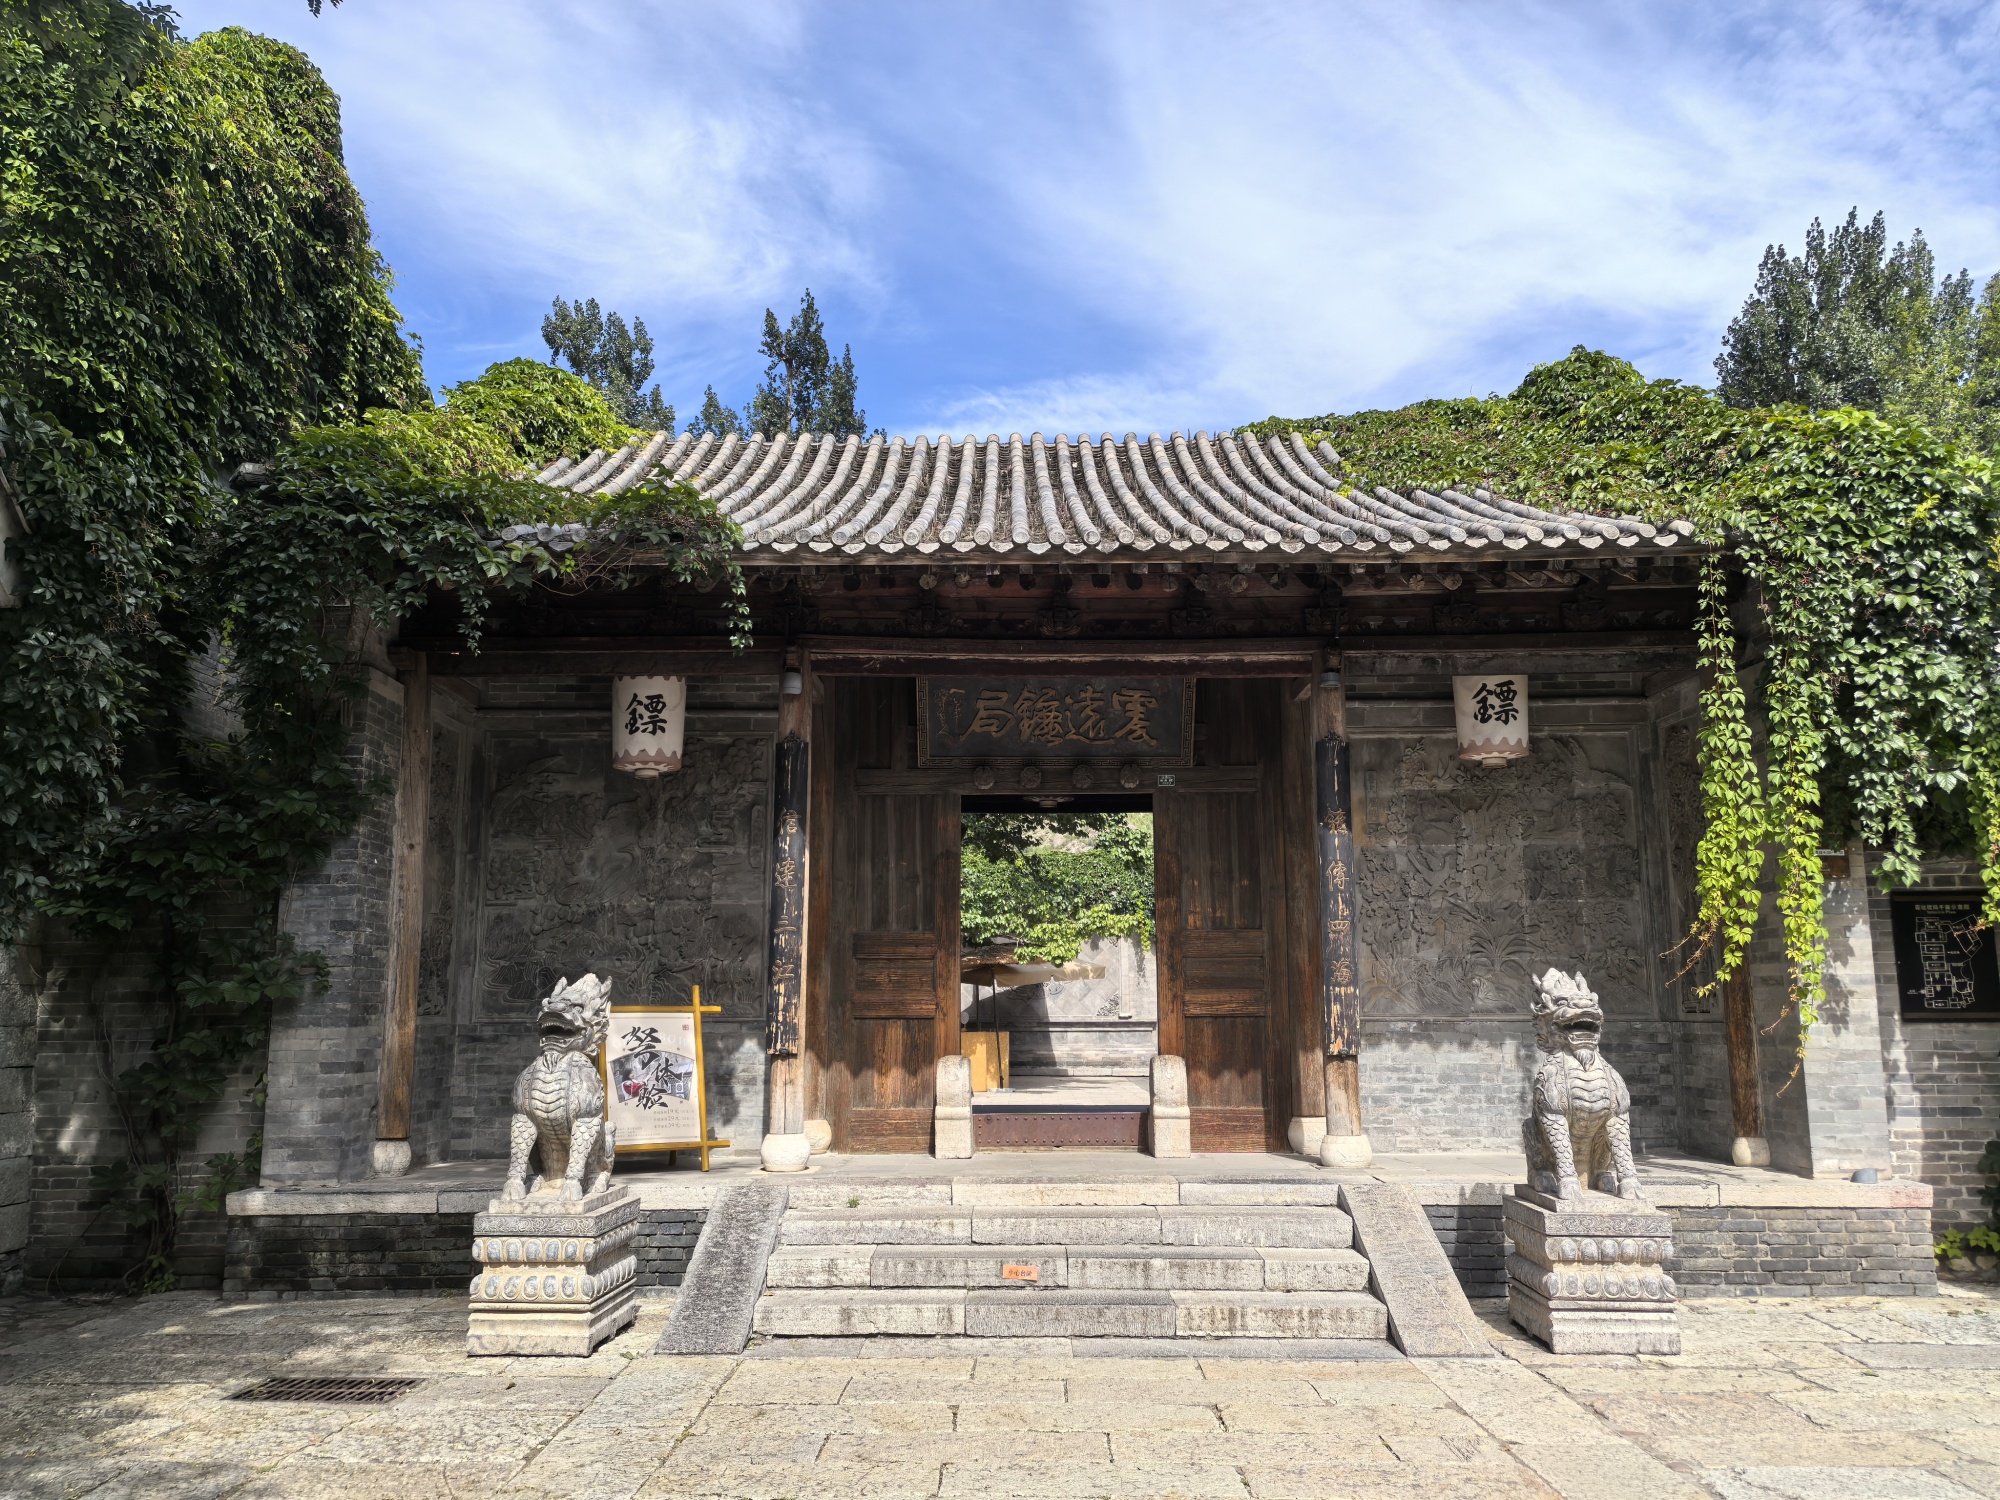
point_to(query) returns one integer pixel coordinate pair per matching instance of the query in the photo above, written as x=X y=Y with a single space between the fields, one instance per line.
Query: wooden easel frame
x=705 y=1145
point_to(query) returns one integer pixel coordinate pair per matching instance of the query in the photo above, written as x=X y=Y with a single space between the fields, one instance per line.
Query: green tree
x=1054 y=881
x=188 y=291
x=1855 y=321
x=614 y=359
x=715 y=417
x=805 y=389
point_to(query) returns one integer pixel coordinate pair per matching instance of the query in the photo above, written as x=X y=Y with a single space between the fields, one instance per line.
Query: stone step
x=1217 y=1268
x=1248 y=1226
x=1297 y=1228
x=1069 y=1313
x=1102 y=1267
x=1284 y=1315
x=847 y=1312
x=818 y=1266
x=969 y=1266
x=915 y=1224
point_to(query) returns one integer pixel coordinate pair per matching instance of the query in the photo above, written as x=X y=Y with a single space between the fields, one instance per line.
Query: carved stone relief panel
x=654 y=884
x=1473 y=880
x=1685 y=823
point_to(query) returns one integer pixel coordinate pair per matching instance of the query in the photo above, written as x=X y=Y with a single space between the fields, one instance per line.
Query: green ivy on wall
x=1055 y=882
x=187 y=284
x=1865 y=554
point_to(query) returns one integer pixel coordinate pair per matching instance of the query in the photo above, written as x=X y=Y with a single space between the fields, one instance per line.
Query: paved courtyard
x=1888 y=1399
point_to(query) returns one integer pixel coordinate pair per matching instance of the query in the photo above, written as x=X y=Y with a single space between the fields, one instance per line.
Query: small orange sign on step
x=1020 y=1273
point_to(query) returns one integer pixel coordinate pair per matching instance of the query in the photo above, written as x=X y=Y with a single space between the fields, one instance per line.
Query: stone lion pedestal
x=1587 y=1275
x=555 y=1277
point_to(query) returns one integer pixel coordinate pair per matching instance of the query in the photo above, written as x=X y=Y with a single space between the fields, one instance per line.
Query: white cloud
x=1140 y=215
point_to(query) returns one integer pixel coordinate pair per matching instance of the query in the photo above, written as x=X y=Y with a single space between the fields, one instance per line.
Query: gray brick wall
x=1475 y=1243
x=1803 y=1252
x=573 y=867
x=1942 y=1077
x=94 y=1013
x=276 y=1257
x=1737 y=1252
x=1472 y=882
x=17 y=1075
x=326 y=1047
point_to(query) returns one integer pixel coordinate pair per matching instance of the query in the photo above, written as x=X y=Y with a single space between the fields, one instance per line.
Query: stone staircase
x=1149 y=1259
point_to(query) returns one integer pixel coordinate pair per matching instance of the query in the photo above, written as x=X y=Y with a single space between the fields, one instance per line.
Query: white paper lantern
x=648 y=722
x=1492 y=717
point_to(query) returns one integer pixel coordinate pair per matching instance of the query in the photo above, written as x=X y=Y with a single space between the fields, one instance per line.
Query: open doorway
x=1059 y=995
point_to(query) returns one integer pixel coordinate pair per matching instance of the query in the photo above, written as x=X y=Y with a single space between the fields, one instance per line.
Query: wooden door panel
x=1221 y=924
x=892 y=927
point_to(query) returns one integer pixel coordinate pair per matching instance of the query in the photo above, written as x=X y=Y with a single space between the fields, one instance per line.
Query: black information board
x=1945 y=966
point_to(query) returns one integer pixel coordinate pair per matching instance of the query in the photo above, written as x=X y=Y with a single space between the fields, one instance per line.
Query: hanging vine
x=187 y=285
x=1866 y=553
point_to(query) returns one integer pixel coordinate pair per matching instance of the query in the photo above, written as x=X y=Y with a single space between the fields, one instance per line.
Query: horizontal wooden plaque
x=972 y=721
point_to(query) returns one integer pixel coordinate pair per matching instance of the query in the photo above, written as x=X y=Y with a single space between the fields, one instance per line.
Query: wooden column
x=786 y=1148
x=399 y=1028
x=1746 y=1103
x=1346 y=1143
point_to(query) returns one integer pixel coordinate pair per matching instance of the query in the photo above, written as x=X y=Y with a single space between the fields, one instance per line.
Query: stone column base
x=1304 y=1134
x=1750 y=1151
x=1587 y=1275
x=951 y=1119
x=819 y=1136
x=1172 y=1124
x=786 y=1153
x=557 y=1278
x=1347 y=1153
x=391 y=1159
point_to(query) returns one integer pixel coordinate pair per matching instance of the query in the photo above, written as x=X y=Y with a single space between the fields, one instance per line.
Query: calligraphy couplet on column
x=785 y=984
x=1340 y=995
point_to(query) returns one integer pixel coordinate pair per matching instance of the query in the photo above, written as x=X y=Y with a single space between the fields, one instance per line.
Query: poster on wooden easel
x=656 y=1079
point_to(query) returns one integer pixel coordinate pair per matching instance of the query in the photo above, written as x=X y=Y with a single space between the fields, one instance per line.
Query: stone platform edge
x=1778 y=1190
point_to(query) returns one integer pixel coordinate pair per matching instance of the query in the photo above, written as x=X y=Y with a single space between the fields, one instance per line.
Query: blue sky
x=1139 y=216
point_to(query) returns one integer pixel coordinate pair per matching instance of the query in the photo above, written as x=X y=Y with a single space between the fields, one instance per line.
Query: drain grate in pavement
x=371 y=1390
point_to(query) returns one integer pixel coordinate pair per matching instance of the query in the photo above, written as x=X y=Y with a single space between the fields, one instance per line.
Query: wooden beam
x=1303 y=1042
x=399 y=1029
x=587 y=656
x=1746 y=1104
x=870 y=657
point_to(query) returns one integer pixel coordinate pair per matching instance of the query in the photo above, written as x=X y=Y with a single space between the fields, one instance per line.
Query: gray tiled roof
x=801 y=498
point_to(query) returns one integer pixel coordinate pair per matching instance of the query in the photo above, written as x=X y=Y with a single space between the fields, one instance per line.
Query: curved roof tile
x=1224 y=493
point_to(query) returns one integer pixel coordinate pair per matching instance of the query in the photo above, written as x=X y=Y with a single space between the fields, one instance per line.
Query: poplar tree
x=1855 y=321
x=805 y=389
x=613 y=358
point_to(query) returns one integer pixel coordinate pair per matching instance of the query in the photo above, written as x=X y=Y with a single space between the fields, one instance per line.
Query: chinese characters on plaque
x=1945 y=966
x=971 y=720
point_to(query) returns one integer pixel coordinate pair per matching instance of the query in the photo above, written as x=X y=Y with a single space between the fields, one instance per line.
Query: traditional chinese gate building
x=1223 y=630
x=1219 y=628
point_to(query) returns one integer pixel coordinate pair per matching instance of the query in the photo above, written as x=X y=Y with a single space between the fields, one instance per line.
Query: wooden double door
x=883 y=988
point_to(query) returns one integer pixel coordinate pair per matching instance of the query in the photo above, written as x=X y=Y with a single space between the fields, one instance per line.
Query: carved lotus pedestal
x=555 y=1277
x=1588 y=1275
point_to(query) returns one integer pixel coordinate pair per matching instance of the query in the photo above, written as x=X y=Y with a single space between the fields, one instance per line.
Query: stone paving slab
x=1820 y=1399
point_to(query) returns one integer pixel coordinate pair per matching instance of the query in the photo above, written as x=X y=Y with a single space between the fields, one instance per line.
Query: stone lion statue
x=1580 y=1133
x=559 y=1097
